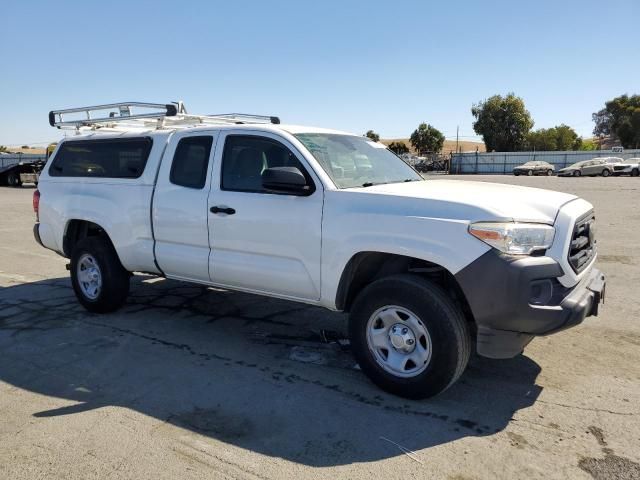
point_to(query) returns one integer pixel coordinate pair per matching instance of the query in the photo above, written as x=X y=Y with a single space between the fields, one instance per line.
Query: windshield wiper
x=371 y=184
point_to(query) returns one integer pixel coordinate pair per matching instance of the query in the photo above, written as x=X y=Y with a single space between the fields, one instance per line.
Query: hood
x=469 y=201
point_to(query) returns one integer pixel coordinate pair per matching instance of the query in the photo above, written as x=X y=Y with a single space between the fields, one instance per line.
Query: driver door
x=260 y=241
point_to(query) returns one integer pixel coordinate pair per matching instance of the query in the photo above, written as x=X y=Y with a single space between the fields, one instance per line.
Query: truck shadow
x=253 y=372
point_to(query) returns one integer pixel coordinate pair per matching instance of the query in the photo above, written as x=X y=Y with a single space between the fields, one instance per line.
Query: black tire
x=443 y=319
x=635 y=172
x=530 y=173
x=13 y=180
x=606 y=173
x=577 y=173
x=115 y=279
x=517 y=174
x=549 y=173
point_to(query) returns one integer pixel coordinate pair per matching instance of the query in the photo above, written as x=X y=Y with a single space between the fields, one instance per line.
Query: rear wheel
x=549 y=173
x=605 y=173
x=530 y=172
x=635 y=172
x=408 y=336
x=99 y=280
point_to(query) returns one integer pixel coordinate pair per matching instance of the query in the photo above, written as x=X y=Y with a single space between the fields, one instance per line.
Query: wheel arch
x=368 y=266
x=78 y=229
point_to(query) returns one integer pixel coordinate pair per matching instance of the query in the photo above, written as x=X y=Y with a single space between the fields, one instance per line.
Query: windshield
x=353 y=161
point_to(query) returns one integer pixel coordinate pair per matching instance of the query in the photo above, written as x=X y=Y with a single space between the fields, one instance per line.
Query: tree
x=602 y=119
x=503 y=122
x=561 y=138
x=427 y=139
x=3 y=148
x=399 y=148
x=567 y=138
x=372 y=135
x=543 y=139
x=589 y=144
x=621 y=119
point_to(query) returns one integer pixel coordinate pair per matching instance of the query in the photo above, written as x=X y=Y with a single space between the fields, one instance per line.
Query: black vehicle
x=19 y=168
x=534 y=168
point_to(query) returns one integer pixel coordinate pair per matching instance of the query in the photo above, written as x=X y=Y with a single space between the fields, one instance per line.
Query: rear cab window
x=191 y=162
x=104 y=158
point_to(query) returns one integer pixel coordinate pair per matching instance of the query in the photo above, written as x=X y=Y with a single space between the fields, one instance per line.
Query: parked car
x=423 y=267
x=611 y=160
x=534 y=168
x=630 y=166
x=593 y=167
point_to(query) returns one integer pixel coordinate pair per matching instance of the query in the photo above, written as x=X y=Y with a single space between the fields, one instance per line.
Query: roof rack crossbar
x=167 y=114
x=246 y=117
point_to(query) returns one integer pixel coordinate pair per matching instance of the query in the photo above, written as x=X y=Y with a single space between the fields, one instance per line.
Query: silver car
x=630 y=166
x=593 y=167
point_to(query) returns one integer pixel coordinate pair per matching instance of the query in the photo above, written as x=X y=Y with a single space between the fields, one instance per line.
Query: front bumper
x=513 y=299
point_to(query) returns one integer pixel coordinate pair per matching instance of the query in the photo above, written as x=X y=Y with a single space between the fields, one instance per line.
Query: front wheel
x=99 y=280
x=549 y=173
x=605 y=173
x=577 y=173
x=408 y=336
x=530 y=173
x=635 y=172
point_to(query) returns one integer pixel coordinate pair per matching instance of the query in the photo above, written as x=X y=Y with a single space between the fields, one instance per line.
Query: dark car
x=534 y=168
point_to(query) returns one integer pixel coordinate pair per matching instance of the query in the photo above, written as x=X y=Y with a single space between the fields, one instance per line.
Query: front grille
x=583 y=242
x=619 y=167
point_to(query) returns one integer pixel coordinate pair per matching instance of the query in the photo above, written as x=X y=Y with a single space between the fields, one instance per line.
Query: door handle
x=227 y=210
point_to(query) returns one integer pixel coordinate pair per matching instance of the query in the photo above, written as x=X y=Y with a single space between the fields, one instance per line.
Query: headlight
x=514 y=238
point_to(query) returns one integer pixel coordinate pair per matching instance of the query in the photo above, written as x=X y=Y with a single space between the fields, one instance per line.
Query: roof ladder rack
x=115 y=112
x=137 y=114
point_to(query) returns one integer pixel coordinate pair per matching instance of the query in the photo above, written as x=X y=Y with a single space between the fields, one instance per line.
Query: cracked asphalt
x=193 y=382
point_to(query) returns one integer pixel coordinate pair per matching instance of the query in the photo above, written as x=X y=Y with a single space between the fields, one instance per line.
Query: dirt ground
x=448 y=146
x=193 y=382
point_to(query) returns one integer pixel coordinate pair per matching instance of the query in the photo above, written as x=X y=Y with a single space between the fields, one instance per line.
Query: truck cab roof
x=87 y=133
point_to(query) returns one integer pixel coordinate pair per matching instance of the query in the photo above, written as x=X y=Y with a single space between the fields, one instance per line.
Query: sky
x=348 y=65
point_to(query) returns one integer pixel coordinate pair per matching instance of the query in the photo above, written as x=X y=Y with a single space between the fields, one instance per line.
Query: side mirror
x=288 y=180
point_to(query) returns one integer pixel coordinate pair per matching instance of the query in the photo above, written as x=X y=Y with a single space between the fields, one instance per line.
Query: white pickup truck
x=424 y=267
